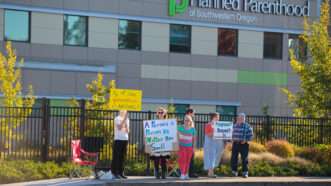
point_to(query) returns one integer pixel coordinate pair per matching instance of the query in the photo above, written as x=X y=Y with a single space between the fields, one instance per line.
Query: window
x=273 y=45
x=75 y=30
x=298 y=47
x=226 y=110
x=227 y=42
x=129 y=36
x=180 y=38
x=181 y=108
x=17 y=25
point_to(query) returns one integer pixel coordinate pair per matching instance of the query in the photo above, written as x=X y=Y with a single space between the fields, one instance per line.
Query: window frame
x=4 y=26
x=86 y=28
x=282 y=45
x=237 y=43
x=140 y=35
x=190 y=48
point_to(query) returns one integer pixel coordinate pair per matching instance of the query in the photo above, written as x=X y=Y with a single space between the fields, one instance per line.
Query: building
x=224 y=55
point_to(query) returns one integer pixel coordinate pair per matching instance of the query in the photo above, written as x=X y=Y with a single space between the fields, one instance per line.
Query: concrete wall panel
x=46 y=28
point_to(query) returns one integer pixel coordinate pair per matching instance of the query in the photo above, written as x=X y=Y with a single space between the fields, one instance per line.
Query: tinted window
x=226 y=110
x=273 y=45
x=17 y=25
x=180 y=38
x=227 y=42
x=75 y=30
x=129 y=36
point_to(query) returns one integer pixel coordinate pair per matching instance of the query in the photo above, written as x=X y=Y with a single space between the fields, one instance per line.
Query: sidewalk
x=150 y=181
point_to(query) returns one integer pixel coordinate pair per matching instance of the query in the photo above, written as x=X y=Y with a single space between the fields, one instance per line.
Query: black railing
x=44 y=133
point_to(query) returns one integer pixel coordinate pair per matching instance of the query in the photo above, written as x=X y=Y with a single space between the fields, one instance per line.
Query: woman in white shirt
x=121 y=138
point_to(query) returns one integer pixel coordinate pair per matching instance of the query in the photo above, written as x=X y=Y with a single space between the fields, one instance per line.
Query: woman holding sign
x=213 y=148
x=160 y=157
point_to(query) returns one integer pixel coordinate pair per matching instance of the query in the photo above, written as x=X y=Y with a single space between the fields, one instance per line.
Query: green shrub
x=303 y=167
x=50 y=170
x=281 y=148
x=29 y=169
x=320 y=154
x=257 y=147
x=9 y=174
x=17 y=171
x=68 y=167
x=262 y=169
x=135 y=169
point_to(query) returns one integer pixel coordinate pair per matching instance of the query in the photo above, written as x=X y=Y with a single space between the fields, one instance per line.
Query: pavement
x=150 y=181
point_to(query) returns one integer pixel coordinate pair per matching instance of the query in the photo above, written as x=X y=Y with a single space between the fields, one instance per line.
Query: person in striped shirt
x=242 y=134
x=186 y=139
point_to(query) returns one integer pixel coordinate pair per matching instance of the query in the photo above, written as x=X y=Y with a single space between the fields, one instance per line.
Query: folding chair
x=77 y=158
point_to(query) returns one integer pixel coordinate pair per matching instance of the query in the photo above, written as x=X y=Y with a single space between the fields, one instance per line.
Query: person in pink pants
x=186 y=138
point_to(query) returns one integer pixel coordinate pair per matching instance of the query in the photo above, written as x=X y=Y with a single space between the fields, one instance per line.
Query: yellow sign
x=124 y=99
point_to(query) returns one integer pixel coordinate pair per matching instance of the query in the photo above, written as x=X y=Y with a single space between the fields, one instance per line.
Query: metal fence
x=47 y=131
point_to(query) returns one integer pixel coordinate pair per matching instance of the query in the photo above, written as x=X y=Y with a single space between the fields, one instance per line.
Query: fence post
x=45 y=129
x=269 y=128
x=82 y=110
x=148 y=160
x=321 y=132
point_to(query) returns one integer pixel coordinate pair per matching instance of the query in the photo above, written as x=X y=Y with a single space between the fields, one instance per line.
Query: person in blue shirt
x=242 y=134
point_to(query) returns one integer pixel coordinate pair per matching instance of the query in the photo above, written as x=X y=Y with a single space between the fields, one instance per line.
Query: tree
x=16 y=107
x=314 y=98
x=98 y=115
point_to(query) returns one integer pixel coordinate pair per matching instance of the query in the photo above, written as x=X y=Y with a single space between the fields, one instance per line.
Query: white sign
x=223 y=130
x=160 y=135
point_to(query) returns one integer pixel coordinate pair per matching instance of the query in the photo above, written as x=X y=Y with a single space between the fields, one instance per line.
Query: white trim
x=190 y=101
x=147 y=19
x=161 y=100
x=68 y=67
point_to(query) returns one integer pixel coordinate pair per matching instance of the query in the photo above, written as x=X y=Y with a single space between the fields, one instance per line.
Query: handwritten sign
x=160 y=135
x=223 y=130
x=124 y=99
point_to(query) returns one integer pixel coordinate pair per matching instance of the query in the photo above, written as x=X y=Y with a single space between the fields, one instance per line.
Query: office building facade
x=214 y=55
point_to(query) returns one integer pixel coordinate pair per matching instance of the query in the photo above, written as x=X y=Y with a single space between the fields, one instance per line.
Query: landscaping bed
x=276 y=158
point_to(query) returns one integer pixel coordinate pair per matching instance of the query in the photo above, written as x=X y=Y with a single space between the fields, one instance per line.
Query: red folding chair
x=77 y=158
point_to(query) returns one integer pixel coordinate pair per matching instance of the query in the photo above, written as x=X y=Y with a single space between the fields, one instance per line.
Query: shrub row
x=18 y=171
x=276 y=158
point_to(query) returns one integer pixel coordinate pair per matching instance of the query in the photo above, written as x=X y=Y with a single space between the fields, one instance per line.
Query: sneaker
x=182 y=177
x=100 y=174
x=234 y=173
x=107 y=176
x=187 y=177
x=245 y=174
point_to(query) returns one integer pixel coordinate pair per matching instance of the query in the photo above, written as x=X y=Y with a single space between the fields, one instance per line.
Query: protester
x=122 y=125
x=190 y=112
x=213 y=148
x=242 y=134
x=160 y=157
x=186 y=138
